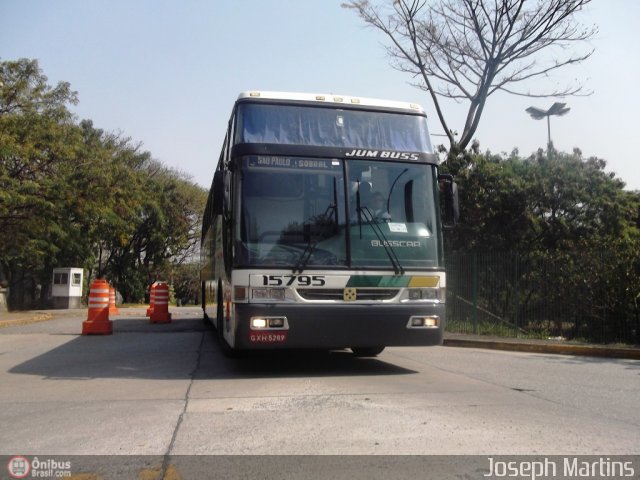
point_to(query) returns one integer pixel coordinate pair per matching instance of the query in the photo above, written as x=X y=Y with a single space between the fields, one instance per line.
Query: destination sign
x=293 y=163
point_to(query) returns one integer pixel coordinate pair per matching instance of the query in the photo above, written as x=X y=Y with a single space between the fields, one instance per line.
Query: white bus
x=323 y=226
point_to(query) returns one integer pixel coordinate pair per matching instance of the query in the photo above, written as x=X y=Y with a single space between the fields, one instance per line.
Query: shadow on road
x=303 y=363
x=186 y=348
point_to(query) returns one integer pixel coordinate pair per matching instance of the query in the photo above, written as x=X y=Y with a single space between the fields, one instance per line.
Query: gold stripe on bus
x=424 y=282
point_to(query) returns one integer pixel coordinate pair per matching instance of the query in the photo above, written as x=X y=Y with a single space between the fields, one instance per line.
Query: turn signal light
x=239 y=294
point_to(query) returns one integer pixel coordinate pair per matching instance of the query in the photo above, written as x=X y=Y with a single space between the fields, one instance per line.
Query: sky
x=166 y=73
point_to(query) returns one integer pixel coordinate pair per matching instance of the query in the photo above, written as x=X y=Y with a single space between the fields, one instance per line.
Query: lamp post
x=558 y=109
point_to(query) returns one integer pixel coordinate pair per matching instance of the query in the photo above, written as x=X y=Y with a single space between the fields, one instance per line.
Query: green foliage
x=186 y=282
x=165 y=232
x=548 y=202
x=568 y=236
x=74 y=195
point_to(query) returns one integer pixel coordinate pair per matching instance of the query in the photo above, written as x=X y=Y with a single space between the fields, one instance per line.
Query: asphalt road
x=166 y=390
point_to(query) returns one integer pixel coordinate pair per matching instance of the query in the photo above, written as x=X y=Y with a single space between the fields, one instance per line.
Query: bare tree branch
x=467 y=50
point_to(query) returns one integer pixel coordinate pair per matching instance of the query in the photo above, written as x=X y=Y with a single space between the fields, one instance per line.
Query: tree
x=38 y=143
x=164 y=231
x=547 y=202
x=467 y=50
x=74 y=195
x=552 y=241
x=147 y=221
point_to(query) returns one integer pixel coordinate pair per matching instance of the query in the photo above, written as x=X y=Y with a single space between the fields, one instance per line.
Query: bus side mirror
x=449 y=196
x=218 y=192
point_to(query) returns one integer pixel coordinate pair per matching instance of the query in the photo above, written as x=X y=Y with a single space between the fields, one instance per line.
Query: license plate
x=267 y=337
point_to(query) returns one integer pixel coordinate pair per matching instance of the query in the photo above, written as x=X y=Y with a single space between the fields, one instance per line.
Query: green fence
x=569 y=295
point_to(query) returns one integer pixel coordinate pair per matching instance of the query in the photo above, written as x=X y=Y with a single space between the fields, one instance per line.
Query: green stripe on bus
x=360 y=281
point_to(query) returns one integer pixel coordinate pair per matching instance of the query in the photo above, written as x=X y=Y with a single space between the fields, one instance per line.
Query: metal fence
x=565 y=295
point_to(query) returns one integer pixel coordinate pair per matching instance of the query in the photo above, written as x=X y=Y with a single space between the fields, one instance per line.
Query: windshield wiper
x=393 y=185
x=363 y=212
x=391 y=253
x=330 y=212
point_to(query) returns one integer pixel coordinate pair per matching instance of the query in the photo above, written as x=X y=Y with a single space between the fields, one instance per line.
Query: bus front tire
x=367 y=351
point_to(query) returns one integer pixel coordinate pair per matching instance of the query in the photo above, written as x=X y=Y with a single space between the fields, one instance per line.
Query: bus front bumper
x=340 y=326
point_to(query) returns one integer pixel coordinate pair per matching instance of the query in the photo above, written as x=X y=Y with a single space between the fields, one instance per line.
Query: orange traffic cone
x=113 y=309
x=152 y=298
x=160 y=312
x=98 y=322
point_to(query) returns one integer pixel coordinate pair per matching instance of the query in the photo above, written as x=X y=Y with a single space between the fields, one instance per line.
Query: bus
x=323 y=226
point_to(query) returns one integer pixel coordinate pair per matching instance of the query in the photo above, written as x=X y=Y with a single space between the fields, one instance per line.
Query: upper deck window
x=331 y=127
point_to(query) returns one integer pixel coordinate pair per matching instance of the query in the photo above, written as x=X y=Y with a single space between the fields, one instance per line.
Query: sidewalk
x=557 y=347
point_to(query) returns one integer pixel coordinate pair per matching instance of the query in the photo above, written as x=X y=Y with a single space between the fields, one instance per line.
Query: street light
x=558 y=109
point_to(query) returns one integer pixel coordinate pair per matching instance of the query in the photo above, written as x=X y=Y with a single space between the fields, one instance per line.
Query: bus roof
x=330 y=98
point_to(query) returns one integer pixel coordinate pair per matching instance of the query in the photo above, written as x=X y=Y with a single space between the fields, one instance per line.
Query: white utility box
x=67 y=287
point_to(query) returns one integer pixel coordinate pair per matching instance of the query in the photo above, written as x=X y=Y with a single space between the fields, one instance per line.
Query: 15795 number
x=297 y=280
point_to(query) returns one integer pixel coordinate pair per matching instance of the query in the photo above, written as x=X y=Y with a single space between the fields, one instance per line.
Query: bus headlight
x=269 y=323
x=428 y=294
x=431 y=321
x=267 y=294
x=258 y=322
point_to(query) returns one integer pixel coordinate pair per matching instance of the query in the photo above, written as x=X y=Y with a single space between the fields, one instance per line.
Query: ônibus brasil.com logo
x=19 y=467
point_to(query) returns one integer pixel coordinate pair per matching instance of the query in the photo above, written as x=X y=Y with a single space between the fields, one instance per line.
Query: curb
x=26 y=320
x=584 y=350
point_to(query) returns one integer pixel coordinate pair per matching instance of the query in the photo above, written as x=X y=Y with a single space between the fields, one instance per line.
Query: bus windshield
x=331 y=127
x=302 y=212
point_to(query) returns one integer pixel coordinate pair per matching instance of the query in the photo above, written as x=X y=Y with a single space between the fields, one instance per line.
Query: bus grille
x=338 y=293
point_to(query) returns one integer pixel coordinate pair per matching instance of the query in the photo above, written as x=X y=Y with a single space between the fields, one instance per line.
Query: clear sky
x=166 y=73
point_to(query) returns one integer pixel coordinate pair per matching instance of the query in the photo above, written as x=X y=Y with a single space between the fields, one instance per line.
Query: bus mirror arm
x=451 y=211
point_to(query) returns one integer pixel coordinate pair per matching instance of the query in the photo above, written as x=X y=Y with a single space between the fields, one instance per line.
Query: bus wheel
x=366 y=351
